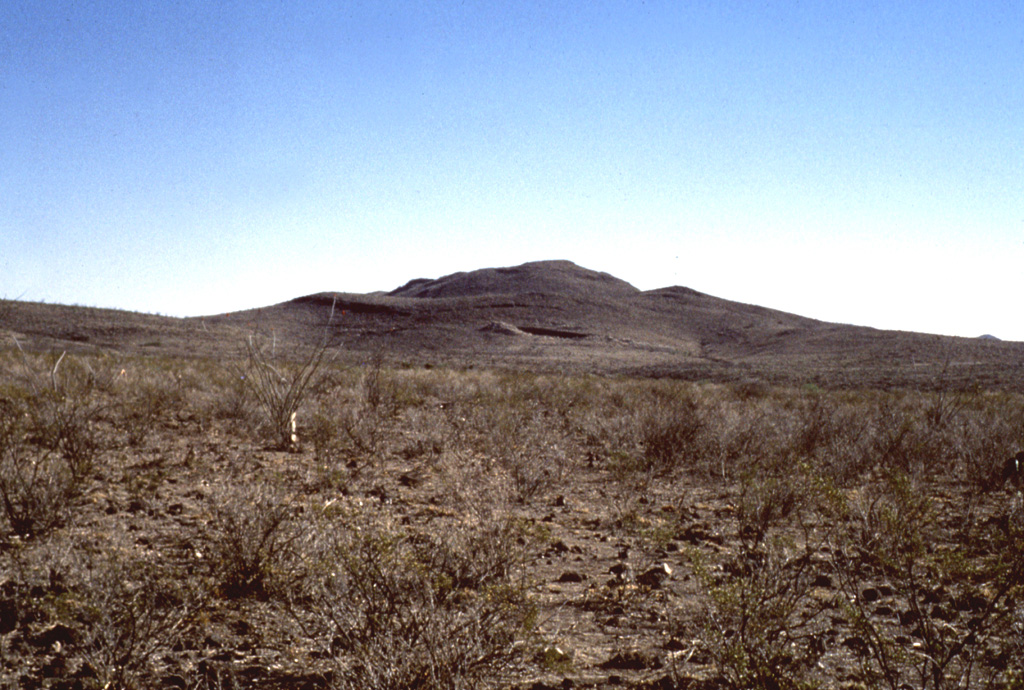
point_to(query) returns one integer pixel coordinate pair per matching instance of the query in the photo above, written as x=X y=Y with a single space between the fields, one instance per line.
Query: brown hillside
x=552 y=315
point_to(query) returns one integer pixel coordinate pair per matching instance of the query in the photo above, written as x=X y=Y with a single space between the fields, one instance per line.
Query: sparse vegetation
x=280 y=385
x=446 y=528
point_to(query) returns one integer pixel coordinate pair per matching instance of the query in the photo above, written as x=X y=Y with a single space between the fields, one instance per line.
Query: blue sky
x=857 y=162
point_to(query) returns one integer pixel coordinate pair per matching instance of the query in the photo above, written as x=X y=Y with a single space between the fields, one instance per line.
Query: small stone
x=856 y=644
x=908 y=617
x=558 y=546
x=655 y=577
x=571 y=576
x=58 y=633
x=632 y=660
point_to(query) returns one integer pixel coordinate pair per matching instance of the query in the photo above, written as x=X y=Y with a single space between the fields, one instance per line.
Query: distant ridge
x=548 y=316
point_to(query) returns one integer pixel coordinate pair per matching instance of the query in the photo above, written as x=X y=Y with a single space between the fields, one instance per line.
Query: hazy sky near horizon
x=858 y=162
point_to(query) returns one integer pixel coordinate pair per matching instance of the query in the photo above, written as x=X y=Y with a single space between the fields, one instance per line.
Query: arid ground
x=532 y=477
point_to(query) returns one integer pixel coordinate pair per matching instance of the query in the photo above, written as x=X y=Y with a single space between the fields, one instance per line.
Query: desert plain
x=528 y=477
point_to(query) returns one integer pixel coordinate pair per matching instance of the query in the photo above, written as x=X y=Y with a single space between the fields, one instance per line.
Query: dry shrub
x=830 y=434
x=144 y=398
x=768 y=502
x=467 y=478
x=36 y=485
x=531 y=453
x=280 y=386
x=397 y=610
x=761 y=626
x=130 y=610
x=670 y=428
x=235 y=400
x=956 y=608
x=47 y=447
x=990 y=431
x=106 y=611
x=512 y=441
x=352 y=418
x=62 y=410
x=254 y=542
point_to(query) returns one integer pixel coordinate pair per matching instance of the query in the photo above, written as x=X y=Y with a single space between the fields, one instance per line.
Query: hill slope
x=553 y=315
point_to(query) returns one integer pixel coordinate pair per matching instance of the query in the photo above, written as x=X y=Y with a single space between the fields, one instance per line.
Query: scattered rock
x=409 y=479
x=870 y=594
x=885 y=611
x=823 y=581
x=557 y=546
x=58 y=633
x=970 y=602
x=698 y=533
x=655 y=577
x=622 y=573
x=8 y=615
x=174 y=682
x=571 y=576
x=632 y=660
x=856 y=644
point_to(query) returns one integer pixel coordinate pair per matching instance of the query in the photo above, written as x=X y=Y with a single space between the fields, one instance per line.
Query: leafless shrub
x=741 y=439
x=669 y=430
x=607 y=432
x=144 y=402
x=280 y=387
x=323 y=434
x=513 y=441
x=127 y=610
x=831 y=435
x=898 y=442
x=47 y=445
x=395 y=611
x=989 y=433
x=530 y=452
x=234 y=400
x=767 y=502
x=950 y=605
x=105 y=612
x=761 y=626
x=61 y=411
x=36 y=485
x=252 y=541
x=353 y=420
